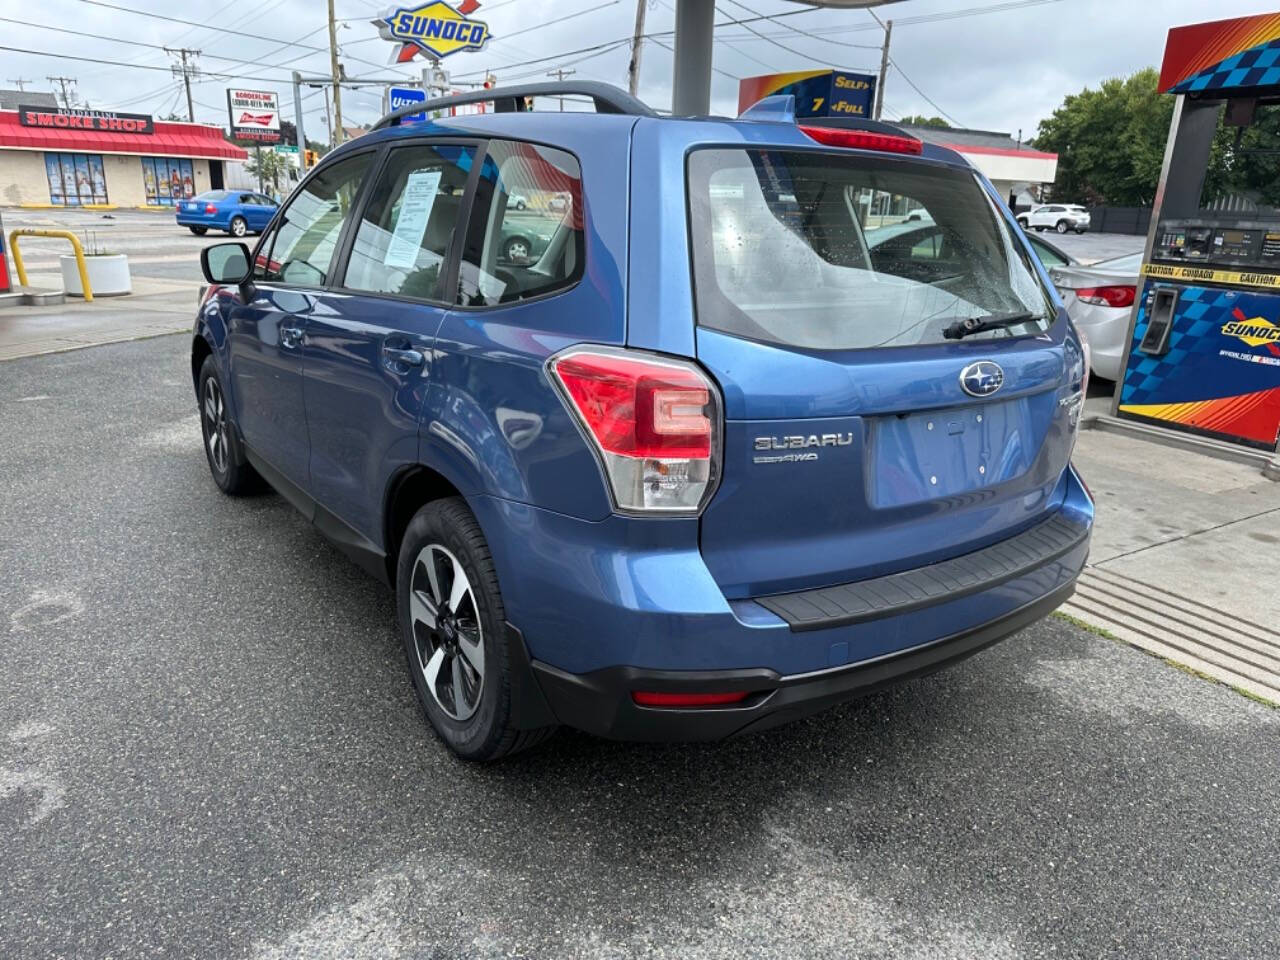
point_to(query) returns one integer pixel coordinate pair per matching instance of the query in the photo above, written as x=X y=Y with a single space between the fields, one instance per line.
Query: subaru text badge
x=981 y=379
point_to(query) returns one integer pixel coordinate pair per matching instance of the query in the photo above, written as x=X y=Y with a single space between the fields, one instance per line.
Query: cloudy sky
x=991 y=64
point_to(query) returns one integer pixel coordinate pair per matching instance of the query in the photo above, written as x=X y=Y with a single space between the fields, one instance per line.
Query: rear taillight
x=648 y=698
x=210 y=208
x=1117 y=296
x=862 y=139
x=655 y=424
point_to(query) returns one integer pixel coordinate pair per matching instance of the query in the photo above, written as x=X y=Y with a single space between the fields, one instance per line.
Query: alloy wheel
x=517 y=250
x=215 y=425
x=446 y=631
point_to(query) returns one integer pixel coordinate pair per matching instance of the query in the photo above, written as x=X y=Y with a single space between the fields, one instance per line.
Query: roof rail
x=607 y=98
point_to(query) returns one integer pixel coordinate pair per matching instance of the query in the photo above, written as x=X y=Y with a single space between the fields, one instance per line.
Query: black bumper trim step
x=908 y=590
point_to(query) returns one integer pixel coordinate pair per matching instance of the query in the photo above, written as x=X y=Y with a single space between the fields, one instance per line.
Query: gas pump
x=1204 y=338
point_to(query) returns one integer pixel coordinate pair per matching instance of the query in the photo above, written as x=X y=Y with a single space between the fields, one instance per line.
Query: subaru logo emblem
x=981 y=379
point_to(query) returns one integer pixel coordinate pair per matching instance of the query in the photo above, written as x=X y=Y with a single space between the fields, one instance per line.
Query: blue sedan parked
x=235 y=211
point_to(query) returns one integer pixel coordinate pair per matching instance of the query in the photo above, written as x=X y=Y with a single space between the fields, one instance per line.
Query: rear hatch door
x=860 y=440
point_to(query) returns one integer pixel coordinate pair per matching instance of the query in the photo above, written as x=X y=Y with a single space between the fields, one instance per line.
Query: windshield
x=816 y=250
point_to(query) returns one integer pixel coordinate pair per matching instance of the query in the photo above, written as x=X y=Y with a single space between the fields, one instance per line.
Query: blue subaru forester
x=734 y=447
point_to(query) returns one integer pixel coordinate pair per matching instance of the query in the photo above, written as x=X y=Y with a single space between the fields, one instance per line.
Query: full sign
x=818 y=93
x=255 y=115
x=100 y=120
x=398 y=97
x=436 y=29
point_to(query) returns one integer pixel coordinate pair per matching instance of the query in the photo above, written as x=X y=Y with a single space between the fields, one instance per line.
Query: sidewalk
x=1185 y=551
x=154 y=307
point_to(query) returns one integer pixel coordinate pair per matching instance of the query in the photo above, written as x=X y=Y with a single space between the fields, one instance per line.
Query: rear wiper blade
x=996 y=321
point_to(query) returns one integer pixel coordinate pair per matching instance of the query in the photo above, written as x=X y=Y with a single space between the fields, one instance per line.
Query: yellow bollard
x=56 y=234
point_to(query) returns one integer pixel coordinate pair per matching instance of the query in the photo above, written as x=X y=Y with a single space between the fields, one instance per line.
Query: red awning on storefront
x=169 y=140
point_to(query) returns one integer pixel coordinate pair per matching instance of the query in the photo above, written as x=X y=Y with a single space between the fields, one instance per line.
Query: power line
x=928 y=100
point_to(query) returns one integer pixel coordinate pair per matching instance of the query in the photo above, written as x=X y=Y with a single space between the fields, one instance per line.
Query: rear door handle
x=290 y=336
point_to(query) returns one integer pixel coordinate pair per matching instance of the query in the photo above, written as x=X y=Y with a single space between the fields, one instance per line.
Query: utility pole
x=297 y=123
x=186 y=72
x=884 y=67
x=336 y=70
x=63 y=82
x=21 y=84
x=633 y=68
x=560 y=74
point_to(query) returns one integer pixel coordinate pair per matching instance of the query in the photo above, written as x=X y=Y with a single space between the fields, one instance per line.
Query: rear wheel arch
x=200 y=348
x=409 y=491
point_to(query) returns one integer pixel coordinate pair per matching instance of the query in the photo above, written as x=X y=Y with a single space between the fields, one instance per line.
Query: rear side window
x=512 y=254
x=834 y=252
x=300 y=250
x=403 y=238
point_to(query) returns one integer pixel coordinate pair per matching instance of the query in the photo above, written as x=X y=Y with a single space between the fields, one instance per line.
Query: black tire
x=516 y=244
x=238 y=226
x=1082 y=230
x=1062 y=226
x=520 y=205
x=199 y=231
x=488 y=733
x=1022 y=222
x=231 y=471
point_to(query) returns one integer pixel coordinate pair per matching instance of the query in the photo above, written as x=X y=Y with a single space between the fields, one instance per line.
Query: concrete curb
x=1268 y=464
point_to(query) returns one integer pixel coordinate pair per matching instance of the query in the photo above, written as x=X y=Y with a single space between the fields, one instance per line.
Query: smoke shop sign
x=98 y=120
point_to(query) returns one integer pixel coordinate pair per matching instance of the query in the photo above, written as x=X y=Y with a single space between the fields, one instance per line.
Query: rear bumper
x=200 y=220
x=600 y=702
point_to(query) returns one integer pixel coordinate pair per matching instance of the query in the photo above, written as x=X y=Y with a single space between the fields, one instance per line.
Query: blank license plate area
x=945 y=452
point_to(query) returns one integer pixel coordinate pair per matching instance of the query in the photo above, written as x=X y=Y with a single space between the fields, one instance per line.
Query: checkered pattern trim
x=1256 y=67
x=1193 y=334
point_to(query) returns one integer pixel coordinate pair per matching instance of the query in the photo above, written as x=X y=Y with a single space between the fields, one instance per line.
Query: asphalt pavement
x=209 y=746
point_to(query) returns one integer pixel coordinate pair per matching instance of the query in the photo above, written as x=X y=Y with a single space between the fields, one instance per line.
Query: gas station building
x=51 y=157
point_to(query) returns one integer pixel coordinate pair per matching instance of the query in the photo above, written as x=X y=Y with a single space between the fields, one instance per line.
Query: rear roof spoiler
x=607 y=99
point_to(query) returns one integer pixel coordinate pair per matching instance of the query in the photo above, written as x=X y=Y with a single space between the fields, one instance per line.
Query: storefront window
x=75 y=179
x=167 y=179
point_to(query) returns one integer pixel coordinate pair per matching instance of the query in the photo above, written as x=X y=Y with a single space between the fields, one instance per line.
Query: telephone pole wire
x=186 y=71
x=338 y=133
x=560 y=74
x=633 y=69
x=63 y=82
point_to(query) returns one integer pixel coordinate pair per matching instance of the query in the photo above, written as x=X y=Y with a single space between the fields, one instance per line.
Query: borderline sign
x=254 y=115
x=398 y=97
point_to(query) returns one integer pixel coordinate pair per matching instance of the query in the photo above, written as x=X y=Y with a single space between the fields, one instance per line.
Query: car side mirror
x=226 y=263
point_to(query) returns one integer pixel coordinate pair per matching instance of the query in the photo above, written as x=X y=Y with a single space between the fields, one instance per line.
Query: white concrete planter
x=108 y=276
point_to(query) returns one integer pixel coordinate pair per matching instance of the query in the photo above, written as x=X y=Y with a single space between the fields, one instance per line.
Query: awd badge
x=436 y=29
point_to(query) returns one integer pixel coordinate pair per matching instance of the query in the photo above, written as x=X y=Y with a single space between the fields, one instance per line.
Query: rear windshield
x=834 y=252
x=213 y=196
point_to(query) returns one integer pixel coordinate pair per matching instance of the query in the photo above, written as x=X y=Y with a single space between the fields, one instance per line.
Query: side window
x=300 y=249
x=403 y=239
x=512 y=254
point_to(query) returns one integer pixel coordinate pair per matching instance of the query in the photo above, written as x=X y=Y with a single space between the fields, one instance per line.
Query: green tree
x=920 y=120
x=268 y=166
x=1109 y=141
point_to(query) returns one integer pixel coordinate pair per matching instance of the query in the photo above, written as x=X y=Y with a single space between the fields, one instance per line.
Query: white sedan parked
x=1063 y=217
x=1099 y=299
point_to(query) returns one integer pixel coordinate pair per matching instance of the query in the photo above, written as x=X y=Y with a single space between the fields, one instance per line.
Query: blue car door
x=368 y=359
x=258 y=211
x=267 y=328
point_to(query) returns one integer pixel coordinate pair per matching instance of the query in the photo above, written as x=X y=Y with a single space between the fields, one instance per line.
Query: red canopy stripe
x=170 y=140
